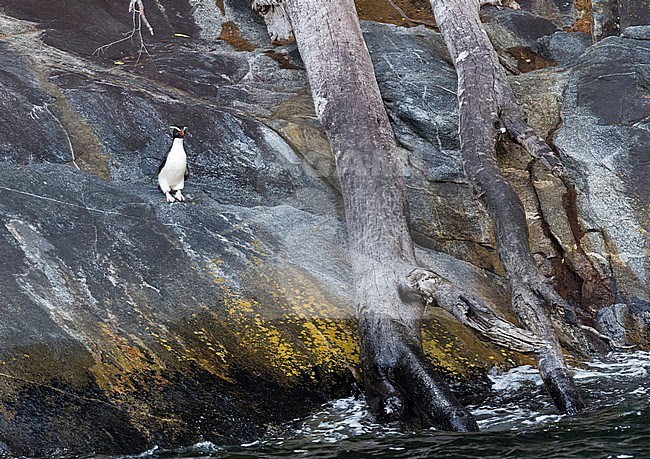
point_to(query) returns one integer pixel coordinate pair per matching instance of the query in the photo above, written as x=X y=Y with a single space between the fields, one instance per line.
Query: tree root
x=479 y=317
x=488 y=109
x=400 y=382
x=529 y=298
x=136 y=6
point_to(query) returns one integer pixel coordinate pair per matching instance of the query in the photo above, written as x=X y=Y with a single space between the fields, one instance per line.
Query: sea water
x=518 y=422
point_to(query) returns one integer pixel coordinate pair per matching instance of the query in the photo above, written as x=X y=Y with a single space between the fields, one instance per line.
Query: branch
x=473 y=313
x=411 y=20
x=513 y=117
x=140 y=11
x=514 y=121
x=499 y=3
x=462 y=30
x=276 y=18
x=136 y=8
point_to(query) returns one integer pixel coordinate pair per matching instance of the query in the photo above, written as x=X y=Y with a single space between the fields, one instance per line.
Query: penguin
x=173 y=170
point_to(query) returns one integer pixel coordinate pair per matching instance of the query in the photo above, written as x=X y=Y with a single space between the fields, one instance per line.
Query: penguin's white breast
x=174 y=171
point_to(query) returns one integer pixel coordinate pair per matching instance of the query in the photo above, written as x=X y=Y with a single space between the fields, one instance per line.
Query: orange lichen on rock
x=231 y=35
x=584 y=24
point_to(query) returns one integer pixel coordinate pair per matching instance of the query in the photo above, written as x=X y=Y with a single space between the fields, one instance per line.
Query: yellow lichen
x=287 y=332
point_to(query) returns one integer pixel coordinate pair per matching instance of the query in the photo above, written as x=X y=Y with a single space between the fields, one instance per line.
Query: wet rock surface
x=130 y=322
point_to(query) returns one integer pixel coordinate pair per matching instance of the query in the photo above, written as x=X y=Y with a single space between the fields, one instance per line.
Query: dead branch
x=136 y=6
x=276 y=18
x=138 y=17
x=398 y=378
x=409 y=19
x=473 y=313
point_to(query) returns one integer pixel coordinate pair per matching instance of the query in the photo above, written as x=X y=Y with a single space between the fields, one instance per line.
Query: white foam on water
x=515 y=379
x=520 y=400
x=149 y=453
x=341 y=419
x=206 y=447
x=639 y=391
x=248 y=445
x=617 y=365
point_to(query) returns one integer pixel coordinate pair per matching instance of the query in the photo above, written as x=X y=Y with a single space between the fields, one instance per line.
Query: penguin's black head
x=178 y=132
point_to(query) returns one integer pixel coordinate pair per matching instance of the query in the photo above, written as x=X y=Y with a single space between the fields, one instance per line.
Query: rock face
x=561 y=47
x=604 y=140
x=611 y=17
x=564 y=13
x=128 y=322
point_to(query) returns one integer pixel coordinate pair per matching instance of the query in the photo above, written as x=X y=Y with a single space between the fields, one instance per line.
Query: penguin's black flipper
x=187 y=172
x=162 y=164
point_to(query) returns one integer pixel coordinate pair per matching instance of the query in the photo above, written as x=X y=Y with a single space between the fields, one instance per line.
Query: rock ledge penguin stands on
x=173 y=170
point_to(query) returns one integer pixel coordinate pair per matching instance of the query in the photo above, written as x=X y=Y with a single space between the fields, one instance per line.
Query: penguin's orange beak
x=182 y=132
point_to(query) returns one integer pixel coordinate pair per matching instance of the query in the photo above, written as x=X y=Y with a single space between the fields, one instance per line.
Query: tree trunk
x=398 y=378
x=488 y=109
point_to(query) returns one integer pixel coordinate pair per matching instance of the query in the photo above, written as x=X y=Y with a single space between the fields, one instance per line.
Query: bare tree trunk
x=398 y=378
x=488 y=109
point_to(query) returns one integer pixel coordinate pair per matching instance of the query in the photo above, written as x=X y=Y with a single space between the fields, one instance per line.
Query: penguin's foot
x=179 y=196
x=170 y=198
